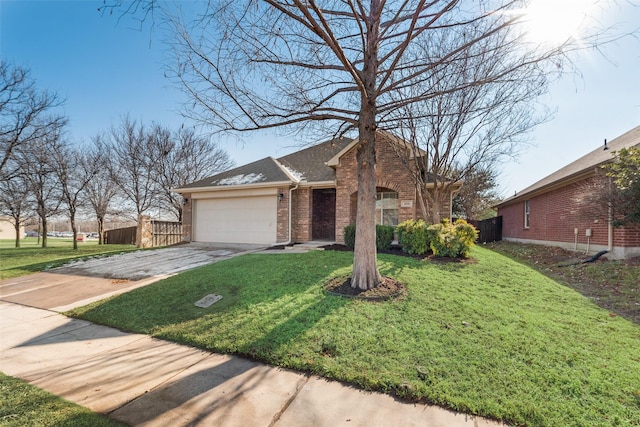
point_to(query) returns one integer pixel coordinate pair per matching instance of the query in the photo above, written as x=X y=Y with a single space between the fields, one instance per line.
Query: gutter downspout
x=610 y=230
x=291 y=190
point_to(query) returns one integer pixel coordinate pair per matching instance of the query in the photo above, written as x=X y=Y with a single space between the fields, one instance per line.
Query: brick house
x=553 y=211
x=305 y=196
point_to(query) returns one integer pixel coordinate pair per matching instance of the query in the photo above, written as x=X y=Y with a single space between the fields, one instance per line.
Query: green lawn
x=31 y=258
x=22 y=404
x=491 y=337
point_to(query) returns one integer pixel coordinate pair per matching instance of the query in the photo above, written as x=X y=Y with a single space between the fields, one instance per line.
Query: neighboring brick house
x=305 y=196
x=553 y=211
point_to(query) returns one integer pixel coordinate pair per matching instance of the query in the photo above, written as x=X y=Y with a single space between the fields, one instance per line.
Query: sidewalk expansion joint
x=293 y=397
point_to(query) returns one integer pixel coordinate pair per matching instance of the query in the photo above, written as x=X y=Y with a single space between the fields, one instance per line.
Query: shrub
x=412 y=235
x=384 y=236
x=452 y=240
x=350 y=236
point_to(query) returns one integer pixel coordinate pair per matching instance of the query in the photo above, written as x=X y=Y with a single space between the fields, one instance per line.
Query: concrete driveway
x=82 y=282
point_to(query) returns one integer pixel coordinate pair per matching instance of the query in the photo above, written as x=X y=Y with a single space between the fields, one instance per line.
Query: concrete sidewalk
x=148 y=382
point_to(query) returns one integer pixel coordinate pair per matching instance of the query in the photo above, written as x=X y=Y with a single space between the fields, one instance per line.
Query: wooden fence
x=490 y=229
x=121 y=236
x=166 y=233
x=163 y=233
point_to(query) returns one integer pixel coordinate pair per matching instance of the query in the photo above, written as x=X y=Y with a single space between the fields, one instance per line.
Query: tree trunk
x=44 y=232
x=74 y=230
x=17 y=227
x=100 y=230
x=365 y=270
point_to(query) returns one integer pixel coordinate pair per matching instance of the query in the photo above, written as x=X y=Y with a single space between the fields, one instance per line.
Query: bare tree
x=339 y=65
x=184 y=157
x=131 y=162
x=101 y=189
x=15 y=202
x=454 y=135
x=25 y=111
x=73 y=177
x=34 y=161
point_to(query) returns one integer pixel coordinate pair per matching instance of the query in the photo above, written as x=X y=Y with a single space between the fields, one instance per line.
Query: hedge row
x=445 y=239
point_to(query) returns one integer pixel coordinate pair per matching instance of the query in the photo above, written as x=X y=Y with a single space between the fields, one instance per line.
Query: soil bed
x=388 y=289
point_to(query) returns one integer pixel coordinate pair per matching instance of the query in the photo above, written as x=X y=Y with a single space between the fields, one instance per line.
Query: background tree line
x=127 y=170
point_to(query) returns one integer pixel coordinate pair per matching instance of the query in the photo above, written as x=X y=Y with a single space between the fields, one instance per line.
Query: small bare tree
x=73 y=177
x=131 y=162
x=16 y=202
x=184 y=157
x=101 y=189
x=35 y=163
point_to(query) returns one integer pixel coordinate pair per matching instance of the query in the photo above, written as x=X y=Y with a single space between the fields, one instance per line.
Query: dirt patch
x=388 y=289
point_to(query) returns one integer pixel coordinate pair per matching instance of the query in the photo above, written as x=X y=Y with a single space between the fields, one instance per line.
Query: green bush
x=384 y=236
x=452 y=240
x=412 y=235
x=350 y=236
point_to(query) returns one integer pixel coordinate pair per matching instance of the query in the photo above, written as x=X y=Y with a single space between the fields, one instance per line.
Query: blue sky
x=107 y=67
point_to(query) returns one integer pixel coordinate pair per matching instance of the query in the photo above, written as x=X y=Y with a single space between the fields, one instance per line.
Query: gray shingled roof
x=306 y=165
x=310 y=162
x=581 y=166
x=262 y=171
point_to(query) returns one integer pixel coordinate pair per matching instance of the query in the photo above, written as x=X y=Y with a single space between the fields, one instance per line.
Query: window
x=526 y=213
x=387 y=208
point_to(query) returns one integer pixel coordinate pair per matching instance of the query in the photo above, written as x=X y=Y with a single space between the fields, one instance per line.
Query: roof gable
x=584 y=164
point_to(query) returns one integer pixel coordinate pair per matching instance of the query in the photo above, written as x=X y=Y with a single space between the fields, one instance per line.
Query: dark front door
x=324 y=214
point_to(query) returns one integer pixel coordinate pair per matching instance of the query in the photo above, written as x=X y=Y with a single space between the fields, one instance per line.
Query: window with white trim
x=527 y=210
x=387 y=208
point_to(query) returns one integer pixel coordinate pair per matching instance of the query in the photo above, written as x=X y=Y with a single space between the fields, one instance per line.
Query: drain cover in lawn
x=208 y=300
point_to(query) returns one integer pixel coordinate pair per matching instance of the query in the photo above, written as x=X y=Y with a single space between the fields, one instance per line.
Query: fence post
x=144 y=232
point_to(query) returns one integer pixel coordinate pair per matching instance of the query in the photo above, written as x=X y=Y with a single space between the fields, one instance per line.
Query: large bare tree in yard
x=340 y=67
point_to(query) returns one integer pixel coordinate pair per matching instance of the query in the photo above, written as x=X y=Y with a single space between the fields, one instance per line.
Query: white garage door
x=236 y=220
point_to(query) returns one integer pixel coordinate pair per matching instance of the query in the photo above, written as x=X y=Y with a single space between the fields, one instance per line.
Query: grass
x=31 y=258
x=613 y=285
x=493 y=337
x=22 y=404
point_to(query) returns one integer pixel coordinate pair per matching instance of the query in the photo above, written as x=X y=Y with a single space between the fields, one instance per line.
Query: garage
x=235 y=219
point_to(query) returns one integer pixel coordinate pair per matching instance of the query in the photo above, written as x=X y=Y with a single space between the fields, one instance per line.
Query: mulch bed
x=388 y=289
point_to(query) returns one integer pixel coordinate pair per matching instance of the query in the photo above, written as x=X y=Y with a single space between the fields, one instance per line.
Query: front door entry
x=324 y=214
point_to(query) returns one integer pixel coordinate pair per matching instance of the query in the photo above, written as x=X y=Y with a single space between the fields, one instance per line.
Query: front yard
x=491 y=337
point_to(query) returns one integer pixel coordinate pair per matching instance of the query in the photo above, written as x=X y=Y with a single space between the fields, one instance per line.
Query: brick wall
x=556 y=214
x=301 y=215
x=283 y=215
x=391 y=174
x=187 y=217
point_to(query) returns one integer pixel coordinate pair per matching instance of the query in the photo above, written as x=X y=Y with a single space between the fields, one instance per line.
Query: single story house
x=553 y=211
x=309 y=195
